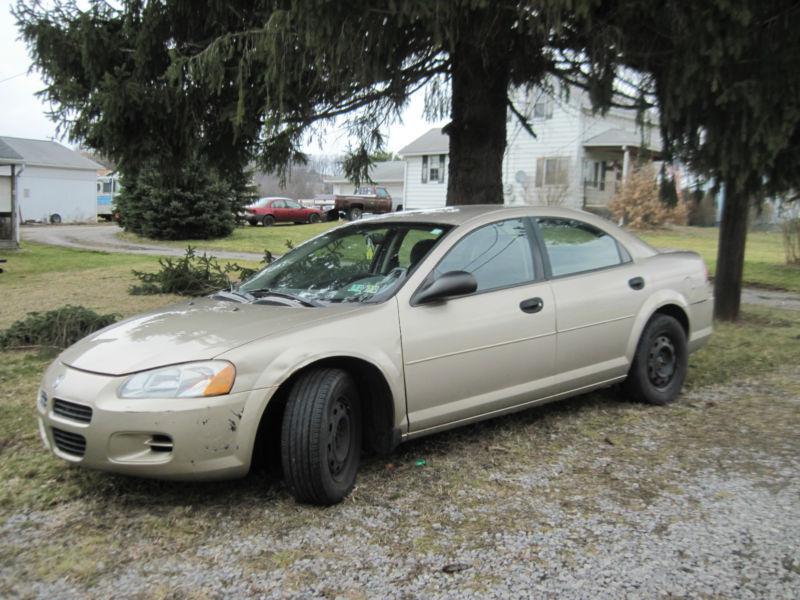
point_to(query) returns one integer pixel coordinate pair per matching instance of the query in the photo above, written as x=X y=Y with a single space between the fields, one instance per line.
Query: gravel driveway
x=104 y=238
x=590 y=498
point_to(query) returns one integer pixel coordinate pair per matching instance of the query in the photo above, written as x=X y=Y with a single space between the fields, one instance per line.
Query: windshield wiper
x=233 y=295
x=268 y=292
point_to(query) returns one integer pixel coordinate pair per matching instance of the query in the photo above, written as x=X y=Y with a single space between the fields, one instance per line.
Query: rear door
x=598 y=292
x=279 y=210
x=486 y=351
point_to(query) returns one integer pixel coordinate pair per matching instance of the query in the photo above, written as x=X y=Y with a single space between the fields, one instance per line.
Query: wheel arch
x=664 y=302
x=380 y=433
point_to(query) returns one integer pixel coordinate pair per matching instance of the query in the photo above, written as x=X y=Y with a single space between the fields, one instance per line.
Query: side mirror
x=452 y=283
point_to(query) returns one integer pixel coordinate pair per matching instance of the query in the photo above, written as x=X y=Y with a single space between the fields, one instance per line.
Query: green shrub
x=190 y=201
x=191 y=275
x=57 y=328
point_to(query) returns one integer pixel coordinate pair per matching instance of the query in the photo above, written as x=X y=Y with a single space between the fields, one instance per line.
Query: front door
x=295 y=211
x=486 y=351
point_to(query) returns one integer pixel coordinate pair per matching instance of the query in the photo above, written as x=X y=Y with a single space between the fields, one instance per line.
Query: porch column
x=14 y=208
x=626 y=163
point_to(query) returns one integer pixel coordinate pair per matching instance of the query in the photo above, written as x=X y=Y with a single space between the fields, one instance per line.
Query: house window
x=543 y=108
x=433 y=168
x=552 y=171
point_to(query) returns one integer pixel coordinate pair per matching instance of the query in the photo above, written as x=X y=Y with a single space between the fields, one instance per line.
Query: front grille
x=70 y=410
x=69 y=443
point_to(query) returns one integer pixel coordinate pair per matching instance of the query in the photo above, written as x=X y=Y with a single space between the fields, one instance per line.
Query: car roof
x=477 y=214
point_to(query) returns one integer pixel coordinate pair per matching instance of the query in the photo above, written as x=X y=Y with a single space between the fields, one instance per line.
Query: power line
x=13 y=76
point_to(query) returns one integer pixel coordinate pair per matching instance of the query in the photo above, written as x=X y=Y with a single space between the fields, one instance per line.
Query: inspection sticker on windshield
x=356 y=287
x=371 y=288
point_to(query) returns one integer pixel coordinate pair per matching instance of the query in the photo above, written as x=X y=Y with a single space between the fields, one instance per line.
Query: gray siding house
x=53 y=183
x=577 y=158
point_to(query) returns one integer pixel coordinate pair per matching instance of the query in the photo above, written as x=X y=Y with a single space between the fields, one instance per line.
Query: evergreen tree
x=239 y=77
x=725 y=76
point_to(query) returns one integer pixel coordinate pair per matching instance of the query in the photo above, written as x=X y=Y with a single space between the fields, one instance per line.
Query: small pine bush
x=57 y=328
x=191 y=275
x=188 y=201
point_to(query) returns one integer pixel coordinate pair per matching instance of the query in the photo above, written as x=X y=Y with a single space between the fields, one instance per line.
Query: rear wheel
x=660 y=364
x=313 y=218
x=267 y=220
x=354 y=214
x=321 y=437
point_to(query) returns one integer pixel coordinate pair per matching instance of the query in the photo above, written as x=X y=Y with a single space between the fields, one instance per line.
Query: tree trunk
x=477 y=128
x=730 y=254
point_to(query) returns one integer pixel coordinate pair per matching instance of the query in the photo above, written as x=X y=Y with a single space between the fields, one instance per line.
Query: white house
x=53 y=183
x=577 y=158
x=389 y=173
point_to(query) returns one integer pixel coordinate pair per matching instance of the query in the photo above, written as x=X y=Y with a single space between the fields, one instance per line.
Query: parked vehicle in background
x=377 y=332
x=373 y=199
x=108 y=187
x=281 y=210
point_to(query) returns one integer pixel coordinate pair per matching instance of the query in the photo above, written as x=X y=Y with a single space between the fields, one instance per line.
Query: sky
x=23 y=114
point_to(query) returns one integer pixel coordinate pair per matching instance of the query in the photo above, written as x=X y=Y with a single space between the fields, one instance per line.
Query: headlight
x=189 y=380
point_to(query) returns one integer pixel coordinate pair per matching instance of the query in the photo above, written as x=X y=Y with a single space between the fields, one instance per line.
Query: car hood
x=195 y=330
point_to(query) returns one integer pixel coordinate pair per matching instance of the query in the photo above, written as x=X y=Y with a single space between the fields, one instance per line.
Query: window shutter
x=539 y=172
x=441 y=168
x=425 y=169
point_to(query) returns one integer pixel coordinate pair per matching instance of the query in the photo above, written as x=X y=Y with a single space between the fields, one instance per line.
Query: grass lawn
x=765 y=262
x=81 y=527
x=42 y=277
x=248 y=238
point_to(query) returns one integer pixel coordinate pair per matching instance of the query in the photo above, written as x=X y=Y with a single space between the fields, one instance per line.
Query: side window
x=381 y=192
x=278 y=204
x=292 y=204
x=415 y=245
x=498 y=255
x=574 y=246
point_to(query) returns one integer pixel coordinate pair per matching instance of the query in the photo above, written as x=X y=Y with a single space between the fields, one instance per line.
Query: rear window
x=575 y=247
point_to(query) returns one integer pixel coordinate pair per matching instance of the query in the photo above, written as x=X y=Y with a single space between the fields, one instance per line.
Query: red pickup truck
x=367 y=198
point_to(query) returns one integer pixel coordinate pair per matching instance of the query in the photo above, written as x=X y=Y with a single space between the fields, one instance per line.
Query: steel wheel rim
x=340 y=432
x=662 y=362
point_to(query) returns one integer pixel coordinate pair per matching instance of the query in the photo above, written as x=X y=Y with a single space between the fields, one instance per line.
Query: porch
x=11 y=165
x=608 y=158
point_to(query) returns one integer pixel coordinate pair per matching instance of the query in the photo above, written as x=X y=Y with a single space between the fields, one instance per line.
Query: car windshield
x=356 y=263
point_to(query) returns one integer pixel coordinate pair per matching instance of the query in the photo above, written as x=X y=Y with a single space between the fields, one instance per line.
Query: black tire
x=267 y=220
x=55 y=219
x=354 y=214
x=321 y=437
x=313 y=218
x=660 y=364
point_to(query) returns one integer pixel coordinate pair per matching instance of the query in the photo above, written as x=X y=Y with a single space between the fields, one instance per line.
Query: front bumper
x=82 y=421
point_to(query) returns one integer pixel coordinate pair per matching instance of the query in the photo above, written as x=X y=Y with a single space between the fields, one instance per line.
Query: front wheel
x=267 y=220
x=660 y=364
x=313 y=218
x=321 y=437
x=354 y=214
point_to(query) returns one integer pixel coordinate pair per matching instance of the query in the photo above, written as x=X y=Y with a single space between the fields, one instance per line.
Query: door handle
x=636 y=283
x=531 y=305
